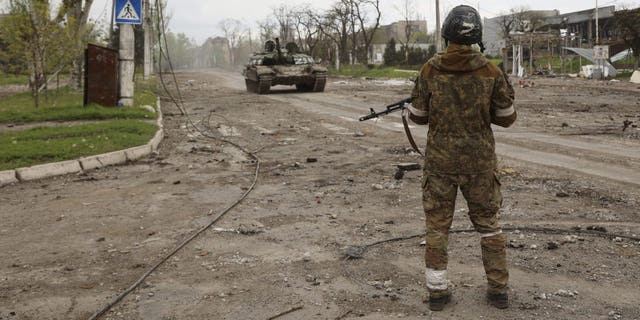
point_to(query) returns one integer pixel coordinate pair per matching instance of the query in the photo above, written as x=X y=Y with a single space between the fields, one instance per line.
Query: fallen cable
x=357 y=252
x=119 y=298
x=178 y=104
x=294 y=309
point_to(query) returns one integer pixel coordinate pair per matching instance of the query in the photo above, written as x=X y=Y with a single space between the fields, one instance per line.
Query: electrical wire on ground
x=357 y=252
x=179 y=104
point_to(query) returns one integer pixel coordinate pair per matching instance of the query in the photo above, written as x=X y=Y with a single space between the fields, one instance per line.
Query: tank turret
x=283 y=66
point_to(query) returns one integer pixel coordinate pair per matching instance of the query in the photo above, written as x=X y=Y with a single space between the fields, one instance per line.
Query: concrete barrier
x=635 y=77
x=112 y=158
x=157 y=139
x=7 y=177
x=136 y=153
x=48 y=170
x=90 y=163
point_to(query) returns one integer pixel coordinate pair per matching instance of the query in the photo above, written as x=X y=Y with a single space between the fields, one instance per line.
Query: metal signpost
x=127 y=13
x=601 y=54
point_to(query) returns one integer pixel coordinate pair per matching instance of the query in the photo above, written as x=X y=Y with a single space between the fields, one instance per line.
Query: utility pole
x=597 y=24
x=438 y=26
x=127 y=64
x=148 y=40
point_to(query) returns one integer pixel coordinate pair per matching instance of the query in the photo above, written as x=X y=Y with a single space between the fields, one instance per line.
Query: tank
x=283 y=66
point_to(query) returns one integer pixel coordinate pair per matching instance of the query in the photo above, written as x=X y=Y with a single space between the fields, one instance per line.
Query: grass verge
x=66 y=105
x=359 y=71
x=8 y=79
x=53 y=144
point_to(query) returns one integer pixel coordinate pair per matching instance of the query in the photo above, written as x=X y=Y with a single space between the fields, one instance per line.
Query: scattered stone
x=569 y=239
x=306 y=257
x=377 y=186
x=614 y=315
x=542 y=296
x=399 y=174
x=552 y=245
x=149 y=108
x=617 y=239
x=250 y=228
x=409 y=166
x=566 y=293
x=515 y=244
x=534 y=247
x=597 y=228
x=205 y=149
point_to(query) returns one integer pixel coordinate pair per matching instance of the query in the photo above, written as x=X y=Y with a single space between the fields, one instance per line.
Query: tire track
x=333 y=105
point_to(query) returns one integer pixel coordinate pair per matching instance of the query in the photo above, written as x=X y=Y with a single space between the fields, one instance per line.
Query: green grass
x=52 y=144
x=146 y=92
x=359 y=71
x=7 y=79
x=66 y=105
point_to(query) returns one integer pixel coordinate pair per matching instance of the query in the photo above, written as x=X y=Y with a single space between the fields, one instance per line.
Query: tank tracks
x=263 y=86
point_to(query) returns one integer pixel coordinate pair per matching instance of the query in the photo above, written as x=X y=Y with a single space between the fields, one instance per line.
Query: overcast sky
x=199 y=18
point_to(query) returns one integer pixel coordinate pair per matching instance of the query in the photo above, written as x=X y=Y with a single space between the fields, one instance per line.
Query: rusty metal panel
x=101 y=76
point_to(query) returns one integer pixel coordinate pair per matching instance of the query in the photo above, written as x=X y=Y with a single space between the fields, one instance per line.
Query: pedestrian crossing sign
x=128 y=11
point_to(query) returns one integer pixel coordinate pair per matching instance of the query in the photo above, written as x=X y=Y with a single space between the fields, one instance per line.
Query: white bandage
x=489 y=235
x=418 y=113
x=505 y=112
x=436 y=279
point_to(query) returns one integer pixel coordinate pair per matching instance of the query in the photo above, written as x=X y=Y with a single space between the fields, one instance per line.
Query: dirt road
x=69 y=245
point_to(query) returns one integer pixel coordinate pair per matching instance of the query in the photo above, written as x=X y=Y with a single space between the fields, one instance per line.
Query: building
x=572 y=29
x=581 y=24
x=493 y=31
x=398 y=30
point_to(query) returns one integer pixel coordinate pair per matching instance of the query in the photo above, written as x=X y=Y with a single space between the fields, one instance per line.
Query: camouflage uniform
x=465 y=95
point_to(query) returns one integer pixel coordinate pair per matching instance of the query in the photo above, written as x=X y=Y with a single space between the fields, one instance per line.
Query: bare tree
x=335 y=26
x=628 y=25
x=307 y=28
x=362 y=9
x=76 y=14
x=234 y=31
x=506 y=22
x=407 y=11
x=267 y=29
x=283 y=15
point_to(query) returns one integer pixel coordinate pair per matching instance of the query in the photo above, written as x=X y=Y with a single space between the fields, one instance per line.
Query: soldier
x=460 y=94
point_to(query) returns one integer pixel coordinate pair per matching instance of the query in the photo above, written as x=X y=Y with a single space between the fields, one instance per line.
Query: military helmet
x=463 y=25
x=269 y=46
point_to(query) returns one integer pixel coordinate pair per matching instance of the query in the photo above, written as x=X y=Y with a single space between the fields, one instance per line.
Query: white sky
x=199 y=18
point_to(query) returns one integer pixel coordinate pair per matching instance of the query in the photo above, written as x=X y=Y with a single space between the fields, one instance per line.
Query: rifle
x=398 y=106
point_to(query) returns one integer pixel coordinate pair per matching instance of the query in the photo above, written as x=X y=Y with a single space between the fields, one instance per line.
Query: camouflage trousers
x=483 y=196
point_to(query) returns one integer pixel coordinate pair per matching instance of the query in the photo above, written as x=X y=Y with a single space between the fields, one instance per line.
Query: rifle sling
x=407 y=130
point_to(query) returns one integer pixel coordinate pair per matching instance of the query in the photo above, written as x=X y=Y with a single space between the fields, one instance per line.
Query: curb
x=8 y=177
x=87 y=163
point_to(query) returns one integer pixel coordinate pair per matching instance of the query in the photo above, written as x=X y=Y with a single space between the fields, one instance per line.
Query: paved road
x=563 y=152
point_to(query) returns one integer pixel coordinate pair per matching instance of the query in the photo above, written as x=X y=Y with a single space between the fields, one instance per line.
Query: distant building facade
x=398 y=31
x=577 y=28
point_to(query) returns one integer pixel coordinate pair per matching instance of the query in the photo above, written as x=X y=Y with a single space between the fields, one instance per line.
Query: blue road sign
x=128 y=11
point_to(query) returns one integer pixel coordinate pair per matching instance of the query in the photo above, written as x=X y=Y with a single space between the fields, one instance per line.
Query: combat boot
x=498 y=300
x=437 y=301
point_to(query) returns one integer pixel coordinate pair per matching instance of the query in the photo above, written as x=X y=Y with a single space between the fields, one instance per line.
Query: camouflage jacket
x=465 y=95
